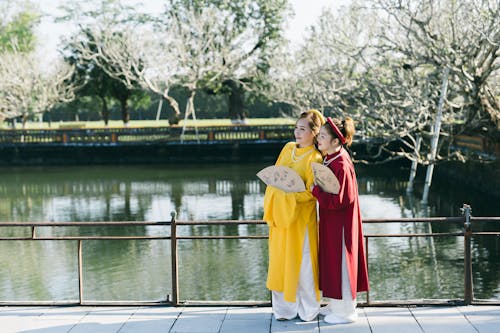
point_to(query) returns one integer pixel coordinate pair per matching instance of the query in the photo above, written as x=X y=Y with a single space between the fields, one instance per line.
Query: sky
x=306 y=14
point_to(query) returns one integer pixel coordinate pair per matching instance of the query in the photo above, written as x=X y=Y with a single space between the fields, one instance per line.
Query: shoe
x=325 y=310
x=280 y=318
x=310 y=318
x=333 y=319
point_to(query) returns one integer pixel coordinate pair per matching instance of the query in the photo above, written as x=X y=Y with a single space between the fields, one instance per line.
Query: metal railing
x=467 y=220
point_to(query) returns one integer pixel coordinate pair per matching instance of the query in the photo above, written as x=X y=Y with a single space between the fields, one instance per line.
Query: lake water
x=400 y=268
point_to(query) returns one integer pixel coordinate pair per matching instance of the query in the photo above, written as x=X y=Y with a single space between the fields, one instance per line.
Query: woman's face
x=303 y=133
x=326 y=143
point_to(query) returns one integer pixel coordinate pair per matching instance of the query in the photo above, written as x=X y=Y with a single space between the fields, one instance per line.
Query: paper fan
x=283 y=178
x=325 y=178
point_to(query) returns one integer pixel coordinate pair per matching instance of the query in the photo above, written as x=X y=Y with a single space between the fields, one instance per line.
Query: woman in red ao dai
x=342 y=262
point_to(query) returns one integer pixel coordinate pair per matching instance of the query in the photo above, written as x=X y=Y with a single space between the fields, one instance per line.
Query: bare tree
x=461 y=35
x=429 y=37
x=26 y=90
x=387 y=73
x=194 y=50
x=131 y=56
x=324 y=73
x=383 y=64
x=247 y=35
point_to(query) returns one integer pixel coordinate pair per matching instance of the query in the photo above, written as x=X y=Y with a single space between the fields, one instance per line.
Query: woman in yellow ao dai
x=293 y=236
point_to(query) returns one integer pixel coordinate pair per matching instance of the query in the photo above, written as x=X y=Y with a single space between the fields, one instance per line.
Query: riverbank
x=234 y=143
x=147 y=153
x=474 y=175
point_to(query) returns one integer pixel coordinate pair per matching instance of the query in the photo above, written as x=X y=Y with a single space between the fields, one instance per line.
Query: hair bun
x=319 y=115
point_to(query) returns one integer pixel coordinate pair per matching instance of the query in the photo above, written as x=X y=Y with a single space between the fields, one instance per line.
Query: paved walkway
x=455 y=319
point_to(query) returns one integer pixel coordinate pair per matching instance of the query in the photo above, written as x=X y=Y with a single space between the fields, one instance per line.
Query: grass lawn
x=151 y=123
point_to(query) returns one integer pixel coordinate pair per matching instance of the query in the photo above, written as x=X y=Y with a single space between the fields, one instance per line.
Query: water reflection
x=400 y=268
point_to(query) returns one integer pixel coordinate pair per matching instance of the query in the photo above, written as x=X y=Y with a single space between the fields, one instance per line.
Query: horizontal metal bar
x=414 y=302
x=125 y=303
x=485 y=219
x=225 y=303
x=219 y=222
x=387 y=303
x=16 y=238
x=103 y=238
x=128 y=223
x=85 y=303
x=67 y=238
x=40 y=303
x=80 y=224
x=416 y=235
x=234 y=222
x=486 y=233
x=417 y=220
x=485 y=302
x=223 y=237
x=385 y=220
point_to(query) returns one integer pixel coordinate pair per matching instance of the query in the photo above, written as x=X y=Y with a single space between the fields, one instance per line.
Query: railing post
x=173 y=253
x=80 y=272
x=468 y=289
x=367 y=270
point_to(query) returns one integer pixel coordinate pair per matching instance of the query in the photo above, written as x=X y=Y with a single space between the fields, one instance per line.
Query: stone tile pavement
x=79 y=319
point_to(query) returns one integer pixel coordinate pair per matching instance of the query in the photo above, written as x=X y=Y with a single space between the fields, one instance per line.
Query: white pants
x=342 y=310
x=306 y=304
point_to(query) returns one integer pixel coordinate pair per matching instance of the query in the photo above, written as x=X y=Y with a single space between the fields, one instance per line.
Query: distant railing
x=478 y=144
x=467 y=221
x=128 y=136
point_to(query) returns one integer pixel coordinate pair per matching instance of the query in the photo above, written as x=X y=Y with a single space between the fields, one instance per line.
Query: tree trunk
x=125 y=113
x=176 y=117
x=414 y=165
x=158 y=112
x=435 y=137
x=236 y=106
x=105 y=111
x=190 y=111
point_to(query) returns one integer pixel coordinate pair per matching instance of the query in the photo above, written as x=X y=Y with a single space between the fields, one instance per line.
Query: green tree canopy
x=17 y=24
